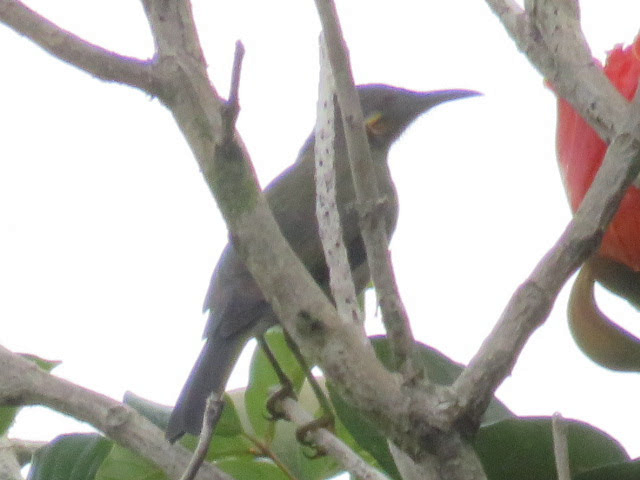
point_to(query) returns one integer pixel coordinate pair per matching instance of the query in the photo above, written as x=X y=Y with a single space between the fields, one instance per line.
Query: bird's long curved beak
x=423 y=101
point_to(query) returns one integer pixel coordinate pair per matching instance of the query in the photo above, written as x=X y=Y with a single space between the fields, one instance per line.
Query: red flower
x=580 y=153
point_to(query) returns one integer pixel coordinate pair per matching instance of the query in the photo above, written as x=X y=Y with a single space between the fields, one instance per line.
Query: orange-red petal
x=580 y=154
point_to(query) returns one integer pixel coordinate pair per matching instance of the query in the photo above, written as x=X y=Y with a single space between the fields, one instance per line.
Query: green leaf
x=364 y=432
x=617 y=471
x=263 y=381
x=8 y=414
x=251 y=469
x=7 y=417
x=228 y=439
x=228 y=425
x=222 y=447
x=158 y=414
x=522 y=448
x=440 y=369
x=70 y=457
x=46 y=365
x=123 y=464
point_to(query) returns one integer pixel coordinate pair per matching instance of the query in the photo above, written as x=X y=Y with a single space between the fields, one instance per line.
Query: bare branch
x=174 y=30
x=531 y=303
x=212 y=413
x=368 y=198
x=329 y=227
x=72 y=49
x=23 y=383
x=562 y=55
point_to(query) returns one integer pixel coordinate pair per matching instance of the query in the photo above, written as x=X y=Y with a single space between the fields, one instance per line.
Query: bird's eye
x=376 y=124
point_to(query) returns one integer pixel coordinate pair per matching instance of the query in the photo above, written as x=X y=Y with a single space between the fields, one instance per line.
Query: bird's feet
x=273 y=403
x=326 y=421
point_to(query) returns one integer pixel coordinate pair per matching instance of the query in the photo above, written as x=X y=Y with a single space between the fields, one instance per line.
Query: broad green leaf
x=364 y=432
x=158 y=414
x=123 y=464
x=440 y=369
x=227 y=440
x=251 y=469
x=70 y=457
x=223 y=446
x=616 y=471
x=522 y=448
x=229 y=424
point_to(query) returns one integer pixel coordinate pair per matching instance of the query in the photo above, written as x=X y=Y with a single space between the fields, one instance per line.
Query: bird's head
x=388 y=110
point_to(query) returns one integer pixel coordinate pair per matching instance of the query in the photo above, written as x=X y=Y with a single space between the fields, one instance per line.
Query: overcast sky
x=108 y=234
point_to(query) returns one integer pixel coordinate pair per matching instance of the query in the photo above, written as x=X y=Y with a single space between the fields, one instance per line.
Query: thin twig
x=232 y=106
x=212 y=412
x=235 y=74
x=560 y=446
x=331 y=444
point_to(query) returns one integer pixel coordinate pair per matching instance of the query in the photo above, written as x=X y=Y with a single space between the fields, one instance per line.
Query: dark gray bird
x=237 y=309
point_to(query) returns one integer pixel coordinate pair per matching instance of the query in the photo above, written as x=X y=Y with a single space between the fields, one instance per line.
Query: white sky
x=108 y=234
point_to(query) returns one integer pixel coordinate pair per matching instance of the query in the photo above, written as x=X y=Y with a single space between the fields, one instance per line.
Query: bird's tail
x=209 y=374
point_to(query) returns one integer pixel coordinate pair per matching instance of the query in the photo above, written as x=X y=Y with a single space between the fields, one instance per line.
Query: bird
x=237 y=310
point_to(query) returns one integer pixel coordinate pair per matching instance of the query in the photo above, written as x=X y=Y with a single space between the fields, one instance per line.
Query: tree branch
x=23 y=383
x=532 y=302
x=368 y=199
x=72 y=49
x=562 y=55
x=329 y=226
